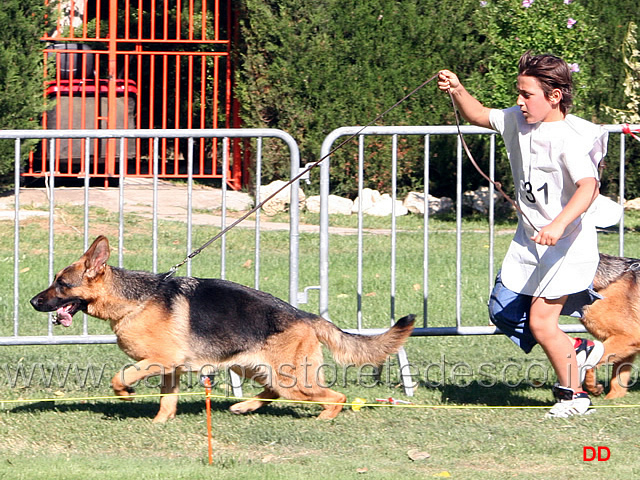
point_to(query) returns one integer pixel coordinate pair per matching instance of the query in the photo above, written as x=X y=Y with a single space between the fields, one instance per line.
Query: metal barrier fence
x=426 y=132
x=155 y=137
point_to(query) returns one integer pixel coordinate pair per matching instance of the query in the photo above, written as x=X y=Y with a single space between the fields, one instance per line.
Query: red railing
x=120 y=64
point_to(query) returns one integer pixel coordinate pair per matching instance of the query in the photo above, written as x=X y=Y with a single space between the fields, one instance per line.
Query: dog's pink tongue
x=63 y=317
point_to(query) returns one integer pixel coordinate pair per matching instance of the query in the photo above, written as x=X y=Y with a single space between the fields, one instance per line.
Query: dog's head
x=71 y=290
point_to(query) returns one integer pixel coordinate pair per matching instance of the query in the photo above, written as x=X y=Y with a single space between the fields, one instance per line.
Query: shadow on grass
x=497 y=395
x=505 y=395
x=472 y=393
x=121 y=410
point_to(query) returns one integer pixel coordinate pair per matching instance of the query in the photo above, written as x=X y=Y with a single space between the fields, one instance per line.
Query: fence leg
x=405 y=372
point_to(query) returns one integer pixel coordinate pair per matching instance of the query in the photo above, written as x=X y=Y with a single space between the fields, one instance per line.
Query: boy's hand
x=470 y=108
x=549 y=234
x=448 y=80
x=578 y=204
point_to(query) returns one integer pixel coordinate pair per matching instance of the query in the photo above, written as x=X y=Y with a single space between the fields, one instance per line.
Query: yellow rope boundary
x=308 y=402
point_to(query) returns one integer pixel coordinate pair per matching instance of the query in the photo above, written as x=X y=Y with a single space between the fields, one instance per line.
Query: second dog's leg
x=620 y=377
x=591 y=384
x=619 y=351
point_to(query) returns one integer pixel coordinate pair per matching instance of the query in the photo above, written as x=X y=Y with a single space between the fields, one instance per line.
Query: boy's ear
x=555 y=96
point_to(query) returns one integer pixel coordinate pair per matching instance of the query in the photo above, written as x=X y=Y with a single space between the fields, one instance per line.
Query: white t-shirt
x=547 y=159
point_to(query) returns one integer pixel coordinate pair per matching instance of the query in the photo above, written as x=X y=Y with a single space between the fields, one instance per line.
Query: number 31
x=529 y=192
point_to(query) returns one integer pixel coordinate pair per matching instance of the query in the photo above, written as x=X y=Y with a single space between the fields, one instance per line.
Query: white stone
x=383 y=207
x=369 y=198
x=336 y=204
x=313 y=204
x=479 y=200
x=280 y=202
x=633 y=204
x=414 y=202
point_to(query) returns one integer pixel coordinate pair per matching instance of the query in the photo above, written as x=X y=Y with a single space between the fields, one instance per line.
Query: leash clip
x=171 y=272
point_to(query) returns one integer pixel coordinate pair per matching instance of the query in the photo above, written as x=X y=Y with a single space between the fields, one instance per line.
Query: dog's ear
x=95 y=258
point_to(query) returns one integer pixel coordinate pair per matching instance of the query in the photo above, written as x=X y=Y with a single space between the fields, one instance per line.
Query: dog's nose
x=36 y=302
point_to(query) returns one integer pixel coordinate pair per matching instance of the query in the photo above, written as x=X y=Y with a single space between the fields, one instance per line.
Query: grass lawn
x=477 y=413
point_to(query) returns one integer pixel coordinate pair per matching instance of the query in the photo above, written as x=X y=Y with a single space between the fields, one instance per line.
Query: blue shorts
x=509 y=311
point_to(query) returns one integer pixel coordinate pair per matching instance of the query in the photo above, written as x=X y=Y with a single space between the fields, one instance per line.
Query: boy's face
x=534 y=104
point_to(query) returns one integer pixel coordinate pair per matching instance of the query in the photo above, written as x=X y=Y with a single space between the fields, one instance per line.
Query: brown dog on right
x=615 y=320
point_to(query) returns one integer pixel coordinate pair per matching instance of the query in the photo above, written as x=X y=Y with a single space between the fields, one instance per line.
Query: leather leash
x=497 y=185
x=297 y=177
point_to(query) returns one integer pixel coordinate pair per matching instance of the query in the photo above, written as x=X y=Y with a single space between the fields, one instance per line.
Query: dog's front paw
x=125 y=393
x=163 y=417
x=598 y=390
x=616 y=393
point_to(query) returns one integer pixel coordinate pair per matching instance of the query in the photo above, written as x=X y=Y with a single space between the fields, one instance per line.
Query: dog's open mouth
x=64 y=314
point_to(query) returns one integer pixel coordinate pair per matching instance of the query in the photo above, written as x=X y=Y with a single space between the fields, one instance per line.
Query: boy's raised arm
x=470 y=108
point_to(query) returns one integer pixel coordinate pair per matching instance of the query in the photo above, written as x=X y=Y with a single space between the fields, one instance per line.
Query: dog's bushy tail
x=355 y=349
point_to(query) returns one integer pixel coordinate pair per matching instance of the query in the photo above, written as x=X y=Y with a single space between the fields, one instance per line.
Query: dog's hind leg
x=620 y=377
x=254 y=403
x=330 y=400
x=591 y=384
x=307 y=384
x=261 y=375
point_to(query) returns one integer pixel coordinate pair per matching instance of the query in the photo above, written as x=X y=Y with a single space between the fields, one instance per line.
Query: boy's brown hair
x=551 y=72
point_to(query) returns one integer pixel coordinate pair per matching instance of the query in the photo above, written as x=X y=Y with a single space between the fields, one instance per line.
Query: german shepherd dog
x=615 y=320
x=171 y=325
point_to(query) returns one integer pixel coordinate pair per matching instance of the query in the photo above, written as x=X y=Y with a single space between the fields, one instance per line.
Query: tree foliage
x=308 y=68
x=610 y=74
x=561 y=28
x=21 y=65
x=311 y=70
x=512 y=27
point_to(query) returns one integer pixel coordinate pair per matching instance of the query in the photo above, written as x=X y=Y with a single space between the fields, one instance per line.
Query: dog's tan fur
x=171 y=325
x=615 y=320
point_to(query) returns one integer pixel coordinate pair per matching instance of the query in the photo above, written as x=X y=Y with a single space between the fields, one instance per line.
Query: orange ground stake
x=207 y=402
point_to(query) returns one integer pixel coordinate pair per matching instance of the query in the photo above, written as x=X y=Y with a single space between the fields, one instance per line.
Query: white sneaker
x=569 y=403
x=588 y=354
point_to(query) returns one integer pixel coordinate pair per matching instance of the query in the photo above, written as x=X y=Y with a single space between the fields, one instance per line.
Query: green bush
x=608 y=95
x=21 y=65
x=512 y=27
x=311 y=70
x=308 y=69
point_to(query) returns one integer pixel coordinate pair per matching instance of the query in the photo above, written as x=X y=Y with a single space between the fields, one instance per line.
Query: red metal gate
x=122 y=64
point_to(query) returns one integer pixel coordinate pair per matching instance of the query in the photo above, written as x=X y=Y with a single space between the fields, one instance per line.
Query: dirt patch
x=171 y=203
